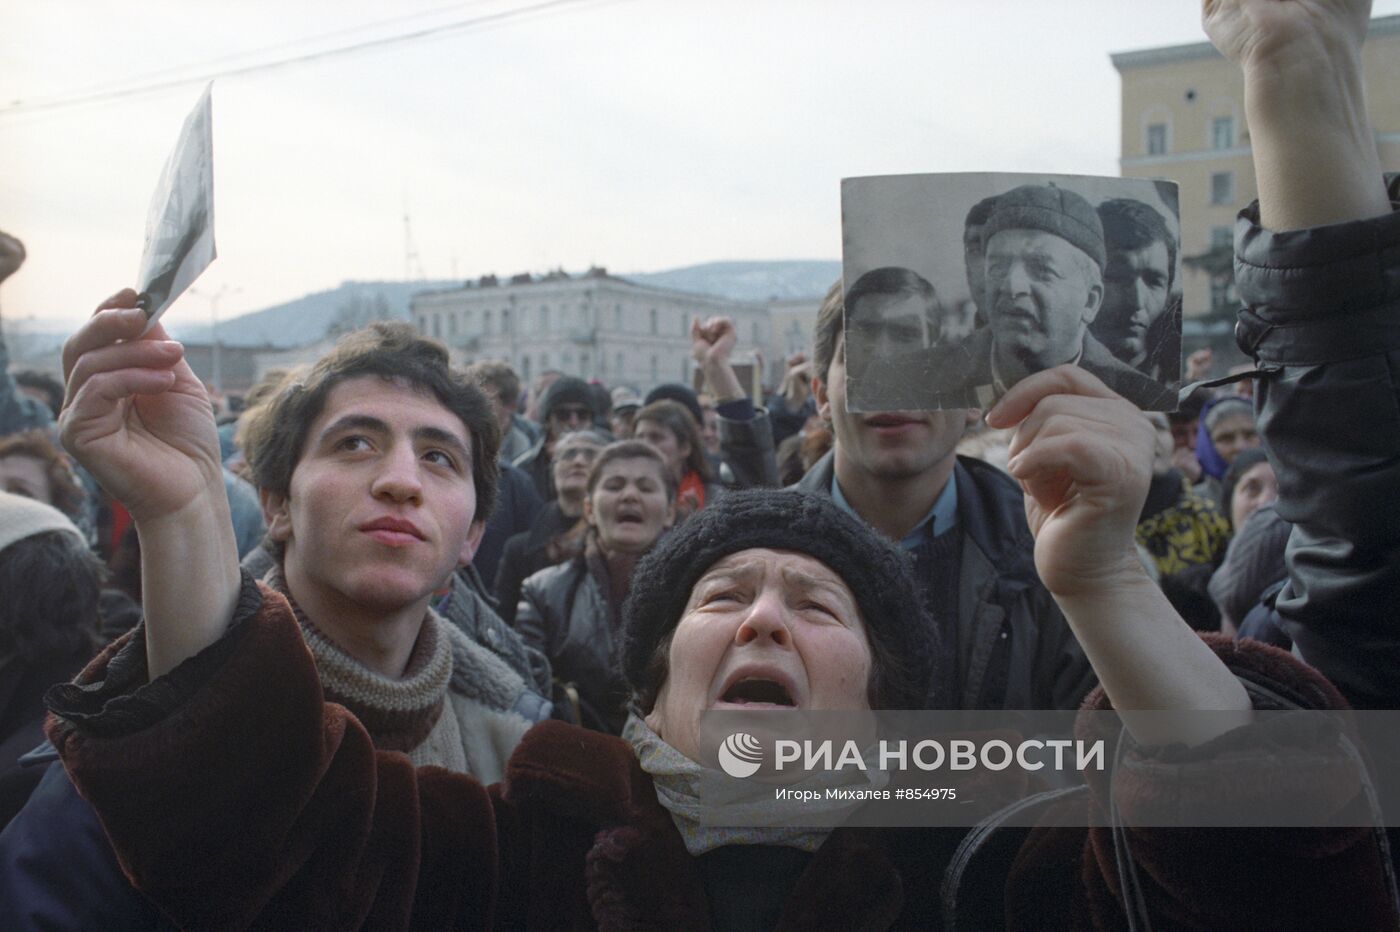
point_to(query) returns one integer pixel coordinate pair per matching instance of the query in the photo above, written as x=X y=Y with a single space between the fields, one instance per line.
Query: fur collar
x=637 y=871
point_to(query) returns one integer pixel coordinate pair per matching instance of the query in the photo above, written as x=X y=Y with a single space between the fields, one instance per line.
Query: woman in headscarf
x=1226 y=428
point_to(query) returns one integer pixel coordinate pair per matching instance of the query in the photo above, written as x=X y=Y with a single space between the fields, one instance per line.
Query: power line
x=302 y=41
x=19 y=108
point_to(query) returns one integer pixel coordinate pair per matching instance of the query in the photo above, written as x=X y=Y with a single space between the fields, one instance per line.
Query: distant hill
x=749 y=281
x=306 y=320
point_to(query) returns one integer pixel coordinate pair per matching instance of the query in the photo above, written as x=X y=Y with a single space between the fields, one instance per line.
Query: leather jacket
x=1323 y=320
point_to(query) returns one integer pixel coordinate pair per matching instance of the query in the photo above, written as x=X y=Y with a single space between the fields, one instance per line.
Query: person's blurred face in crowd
x=1136 y=292
x=890 y=444
x=1233 y=433
x=26 y=475
x=1256 y=488
x=709 y=430
x=573 y=458
x=568 y=417
x=382 y=503
x=1043 y=295
x=1166 y=445
x=621 y=422
x=1184 y=433
x=629 y=506
x=762 y=629
x=673 y=449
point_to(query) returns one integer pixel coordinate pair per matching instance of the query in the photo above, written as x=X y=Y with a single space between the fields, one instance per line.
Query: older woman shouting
x=235 y=795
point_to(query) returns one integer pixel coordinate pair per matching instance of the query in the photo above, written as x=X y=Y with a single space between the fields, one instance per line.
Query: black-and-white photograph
x=180 y=225
x=957 y=286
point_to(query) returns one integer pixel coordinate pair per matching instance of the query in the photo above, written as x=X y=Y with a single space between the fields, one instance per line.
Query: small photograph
x=180 y=223
x=957 y=286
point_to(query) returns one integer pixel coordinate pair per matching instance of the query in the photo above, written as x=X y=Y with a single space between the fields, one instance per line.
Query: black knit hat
x=681 y=394
x=1050 y=209
x=566 y=390
x=878 y=573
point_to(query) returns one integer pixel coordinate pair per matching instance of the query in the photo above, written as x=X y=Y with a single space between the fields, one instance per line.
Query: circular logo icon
x=740 y=755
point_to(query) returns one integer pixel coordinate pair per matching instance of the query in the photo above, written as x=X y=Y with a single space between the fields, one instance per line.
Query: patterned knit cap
x=877 y=572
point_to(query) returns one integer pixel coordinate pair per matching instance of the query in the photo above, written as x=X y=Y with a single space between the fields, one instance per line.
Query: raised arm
x=1083 y=455
x=1324 y=311
x=139 y=420
x=1314 y=154
x=745 y=433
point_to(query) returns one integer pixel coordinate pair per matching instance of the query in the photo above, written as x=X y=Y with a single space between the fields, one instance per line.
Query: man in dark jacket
x=964 y=522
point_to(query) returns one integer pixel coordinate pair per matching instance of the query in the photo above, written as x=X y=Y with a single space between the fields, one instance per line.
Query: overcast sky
x=636 y=134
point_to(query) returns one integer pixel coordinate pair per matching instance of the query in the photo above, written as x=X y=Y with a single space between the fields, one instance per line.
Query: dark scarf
x=612 y=573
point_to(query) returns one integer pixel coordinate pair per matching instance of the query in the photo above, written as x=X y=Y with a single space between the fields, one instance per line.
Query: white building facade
x=591 y=325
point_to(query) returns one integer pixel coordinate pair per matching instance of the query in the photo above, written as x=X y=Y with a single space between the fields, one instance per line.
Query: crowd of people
x=392 y=644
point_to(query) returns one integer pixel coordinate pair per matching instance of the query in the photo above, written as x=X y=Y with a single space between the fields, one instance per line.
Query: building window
x=544 y=362
x=685 y=371
x=437 y=326
x=1222 y=238
x=1222 y=133
x=525 y=367
x=583 y=365
x=569 y=363
x=653 y=320
x=1222 y=188
x=619 y=364
x=544 y=318
x=1222 y=294
x=423 y=324
x=754 y=331
x=486 y=322
x=505 y=320
x=1157 y=139
x=617 y=316
x=654 y=371
x=451 y=325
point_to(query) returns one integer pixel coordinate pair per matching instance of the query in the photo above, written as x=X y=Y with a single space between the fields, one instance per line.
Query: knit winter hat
x=1052 y=210
x=22 y=517
x=877 y=572
x=566 y=390
x=681 y=394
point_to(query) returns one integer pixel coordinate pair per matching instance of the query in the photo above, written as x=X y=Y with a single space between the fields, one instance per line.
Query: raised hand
x=136 y=416
x=713 y=341
x=711 y=345
x=1274 y=33
x=1083 y=455
x=1315 y=159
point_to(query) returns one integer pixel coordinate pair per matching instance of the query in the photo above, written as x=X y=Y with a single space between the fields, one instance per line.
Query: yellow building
x=1183 y=120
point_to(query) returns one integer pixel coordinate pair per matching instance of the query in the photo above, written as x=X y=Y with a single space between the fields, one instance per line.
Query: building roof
x=1171 y=54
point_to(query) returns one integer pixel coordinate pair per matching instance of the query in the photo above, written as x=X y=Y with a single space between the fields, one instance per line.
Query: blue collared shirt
x=941 y=518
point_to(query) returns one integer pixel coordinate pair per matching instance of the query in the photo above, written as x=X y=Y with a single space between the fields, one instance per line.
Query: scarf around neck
x=399 y=714
x=688 y=791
